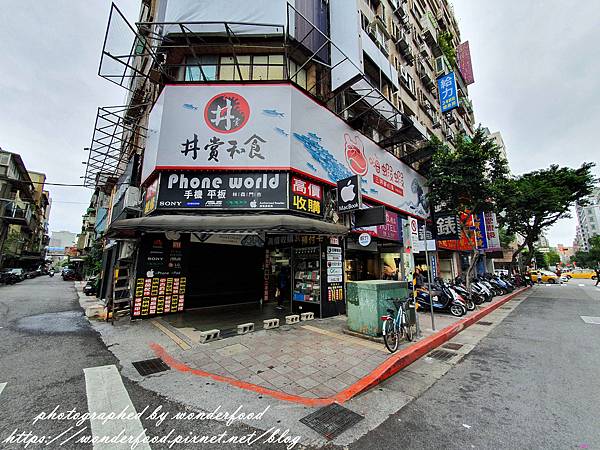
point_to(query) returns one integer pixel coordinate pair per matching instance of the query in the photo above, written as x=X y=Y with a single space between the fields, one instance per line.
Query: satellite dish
x=172 y=235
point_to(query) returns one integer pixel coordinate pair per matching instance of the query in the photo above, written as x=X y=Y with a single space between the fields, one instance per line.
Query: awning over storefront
x=281 y=223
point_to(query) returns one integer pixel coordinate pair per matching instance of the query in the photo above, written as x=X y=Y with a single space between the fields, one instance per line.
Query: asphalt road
x=45 y=343
x=532 y=383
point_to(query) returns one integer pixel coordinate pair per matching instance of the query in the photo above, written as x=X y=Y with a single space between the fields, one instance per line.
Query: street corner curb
x=182 y=367
x=410 y=354
x=389 y=367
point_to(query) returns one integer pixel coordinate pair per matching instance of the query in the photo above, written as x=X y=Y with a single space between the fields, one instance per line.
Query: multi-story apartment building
x=588 y=218
x=24 y=212
x=240 y=121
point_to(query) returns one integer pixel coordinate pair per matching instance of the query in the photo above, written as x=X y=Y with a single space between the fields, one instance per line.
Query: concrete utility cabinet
x=367 y=302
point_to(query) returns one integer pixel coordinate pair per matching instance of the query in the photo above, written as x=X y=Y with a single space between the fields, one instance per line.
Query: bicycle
x=395 y=328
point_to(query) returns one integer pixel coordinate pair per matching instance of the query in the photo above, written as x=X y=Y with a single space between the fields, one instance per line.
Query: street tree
x=590 y=258
x=467 y=179
x=534 y=201
x=552 y=258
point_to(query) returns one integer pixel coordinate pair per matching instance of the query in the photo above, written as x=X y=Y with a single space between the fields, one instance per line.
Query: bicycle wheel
x=390 y=336
x=408 y=331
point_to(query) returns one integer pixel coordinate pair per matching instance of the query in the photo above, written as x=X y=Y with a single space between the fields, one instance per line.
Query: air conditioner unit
x=127 y=250
x=404 y=74
x=132 y=197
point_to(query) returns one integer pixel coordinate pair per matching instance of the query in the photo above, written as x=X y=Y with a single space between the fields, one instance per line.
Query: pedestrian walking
x=597 y=275
x=539 y=277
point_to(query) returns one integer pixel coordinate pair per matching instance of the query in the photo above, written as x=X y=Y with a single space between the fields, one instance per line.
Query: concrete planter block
x=210 y=335
x=270 y=323
x=245 y=328
x=294 y=318
x=307 y=316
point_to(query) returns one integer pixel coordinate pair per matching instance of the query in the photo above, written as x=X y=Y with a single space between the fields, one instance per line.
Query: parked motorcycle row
x=455 y=298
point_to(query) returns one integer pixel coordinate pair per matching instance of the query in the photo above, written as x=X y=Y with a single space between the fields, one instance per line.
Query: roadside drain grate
x=485 y=323
x=441 y=355
x=505 y=307
x=452 y=346
x=150 y=366
x=331 y=420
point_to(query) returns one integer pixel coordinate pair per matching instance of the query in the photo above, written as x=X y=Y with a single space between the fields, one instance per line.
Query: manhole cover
x=441 y=355
x=332 y=420
x=591 y=320
x=452 y=346
x=484 y=323
x=150 y=366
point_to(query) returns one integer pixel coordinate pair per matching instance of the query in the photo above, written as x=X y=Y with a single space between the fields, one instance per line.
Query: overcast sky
x=536 y=67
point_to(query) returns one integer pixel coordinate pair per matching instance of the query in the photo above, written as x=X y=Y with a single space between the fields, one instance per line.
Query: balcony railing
x=15 y=212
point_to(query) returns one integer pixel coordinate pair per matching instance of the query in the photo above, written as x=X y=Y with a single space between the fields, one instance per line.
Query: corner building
x=240 y=121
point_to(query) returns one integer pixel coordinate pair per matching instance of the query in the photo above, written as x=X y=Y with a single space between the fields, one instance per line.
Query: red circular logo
x=227 y=112
x=355 y=155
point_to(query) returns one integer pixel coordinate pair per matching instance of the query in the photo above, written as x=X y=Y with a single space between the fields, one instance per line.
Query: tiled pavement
x=291 y=359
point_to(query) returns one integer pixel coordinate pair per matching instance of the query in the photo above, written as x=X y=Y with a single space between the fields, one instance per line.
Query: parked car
x=70 y=275
x=8 y=277
x=547 y=276
x=91 y=287
x=18 y=273
x=587 y=274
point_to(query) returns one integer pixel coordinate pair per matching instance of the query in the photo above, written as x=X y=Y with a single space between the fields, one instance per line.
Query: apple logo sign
x=150 y=274
x=347 y=192
x=253 y=204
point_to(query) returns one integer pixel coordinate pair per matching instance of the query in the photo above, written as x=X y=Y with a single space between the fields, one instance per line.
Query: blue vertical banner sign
x=480 y=231
x=434 y=269
x=448 y=92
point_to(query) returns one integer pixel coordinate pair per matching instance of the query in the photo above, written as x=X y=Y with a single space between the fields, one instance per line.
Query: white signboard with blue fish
x=242 y=127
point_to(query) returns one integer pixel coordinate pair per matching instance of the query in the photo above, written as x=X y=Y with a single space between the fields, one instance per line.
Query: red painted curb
x=389 y=367
x=407 y=356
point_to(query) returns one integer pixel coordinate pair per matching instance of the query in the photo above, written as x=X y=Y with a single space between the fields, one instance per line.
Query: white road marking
x=591 y=320
x=2 y=386
x=105 y=394
x=581 y=285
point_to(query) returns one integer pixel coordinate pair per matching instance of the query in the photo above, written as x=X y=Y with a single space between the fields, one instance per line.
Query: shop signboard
x=349 y=194
x=252 y=127
x=446 y=225
x=492 y=232
x=150 y=197
x=463 y=58
x=160 y=284
x=448 y=92
x=479 y=231
x=306 y=196
x=364 y=239
x=391 y=230
x=334 y=283
x=222 y=190
x=433 y=265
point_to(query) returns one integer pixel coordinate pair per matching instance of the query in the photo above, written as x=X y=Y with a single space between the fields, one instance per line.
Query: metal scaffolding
x=142 y=58
x=116 y=136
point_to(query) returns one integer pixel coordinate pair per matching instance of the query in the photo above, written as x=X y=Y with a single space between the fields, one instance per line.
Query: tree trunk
x=515 y=255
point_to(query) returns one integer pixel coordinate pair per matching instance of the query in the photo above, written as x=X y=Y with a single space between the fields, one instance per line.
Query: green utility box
x=366 y=302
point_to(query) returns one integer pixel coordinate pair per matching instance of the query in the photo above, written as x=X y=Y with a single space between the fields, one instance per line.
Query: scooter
x=473 y=299
x=51 y=273
x=444 y=299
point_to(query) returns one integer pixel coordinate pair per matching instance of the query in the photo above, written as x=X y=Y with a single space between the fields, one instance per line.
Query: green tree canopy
x=532 y=202
x=468 y=178
x=552 y=258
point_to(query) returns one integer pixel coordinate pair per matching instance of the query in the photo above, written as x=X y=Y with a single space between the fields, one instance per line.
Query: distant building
x=62 y=239
x=565 y=253
x=589 y=221
x=24 y=213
